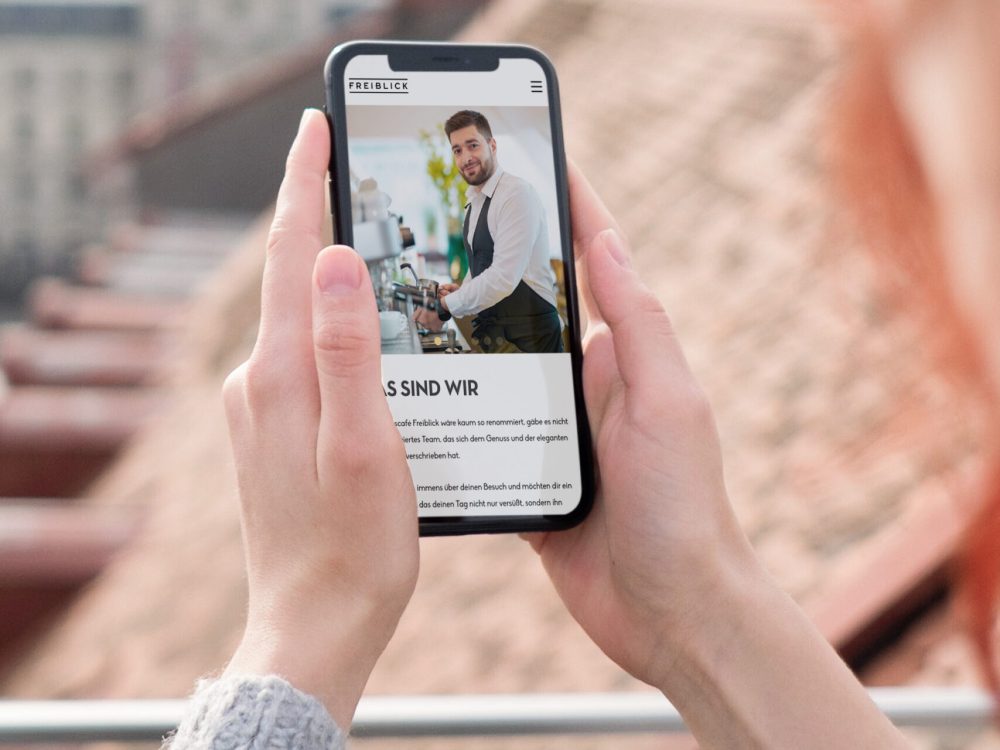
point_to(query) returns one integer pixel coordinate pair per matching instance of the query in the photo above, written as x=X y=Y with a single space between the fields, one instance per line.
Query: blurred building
x=73 y=73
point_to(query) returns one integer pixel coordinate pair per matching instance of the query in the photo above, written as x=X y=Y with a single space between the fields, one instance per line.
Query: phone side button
x=333 y=192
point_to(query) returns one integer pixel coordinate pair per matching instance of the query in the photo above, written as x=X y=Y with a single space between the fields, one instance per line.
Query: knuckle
x=597 y=332
x=279 y=230
x=368 y=458
x=284 y=235
x=342 y=346
x=232 y=386
x=277 y=237
x=356 y=458
x=262 y=381
x=649 y=310
x=234 y=394
x=645 y=318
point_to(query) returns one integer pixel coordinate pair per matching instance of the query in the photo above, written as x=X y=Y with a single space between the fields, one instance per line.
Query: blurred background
x=141 y=145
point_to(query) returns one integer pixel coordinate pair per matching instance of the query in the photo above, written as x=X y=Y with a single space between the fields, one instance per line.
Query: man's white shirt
x=516 y=221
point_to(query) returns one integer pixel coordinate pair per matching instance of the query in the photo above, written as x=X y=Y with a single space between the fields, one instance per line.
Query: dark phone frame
x=429 y=56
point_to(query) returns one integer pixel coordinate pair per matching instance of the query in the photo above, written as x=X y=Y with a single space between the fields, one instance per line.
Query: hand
x=660 y=574
x=443 y=291
x=661 y=530
x=328 y=507
x=428 y=319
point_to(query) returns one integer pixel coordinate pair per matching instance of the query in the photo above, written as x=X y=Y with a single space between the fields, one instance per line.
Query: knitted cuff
x=255 y=712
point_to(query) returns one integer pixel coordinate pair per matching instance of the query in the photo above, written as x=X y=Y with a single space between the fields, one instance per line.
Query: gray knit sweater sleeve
x=255 y=712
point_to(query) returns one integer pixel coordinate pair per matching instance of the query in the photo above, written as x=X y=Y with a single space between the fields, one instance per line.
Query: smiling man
x=510 y=288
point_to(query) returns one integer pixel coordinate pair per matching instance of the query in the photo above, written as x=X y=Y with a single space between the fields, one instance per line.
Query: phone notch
x=423 y=60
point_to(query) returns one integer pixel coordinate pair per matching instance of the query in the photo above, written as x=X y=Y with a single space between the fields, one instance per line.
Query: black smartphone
x=448 y=176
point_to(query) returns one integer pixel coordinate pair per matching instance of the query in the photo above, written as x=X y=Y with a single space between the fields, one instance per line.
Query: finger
x=347 y=352
x=601 y=380
x=589 y=217
x=295 y=239
x=646 y=349
x=589 y=214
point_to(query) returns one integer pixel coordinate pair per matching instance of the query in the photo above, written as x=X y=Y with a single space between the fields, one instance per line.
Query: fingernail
x=338 y=272
x=616 y=248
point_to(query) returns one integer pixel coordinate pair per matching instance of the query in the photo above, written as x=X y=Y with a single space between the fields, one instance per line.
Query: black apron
x=523 y=318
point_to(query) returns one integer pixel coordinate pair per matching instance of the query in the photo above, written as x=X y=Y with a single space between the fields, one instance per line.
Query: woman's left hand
x=328 y=507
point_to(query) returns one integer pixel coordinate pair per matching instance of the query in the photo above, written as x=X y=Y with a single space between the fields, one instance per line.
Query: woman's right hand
x=660 y=574
x=662 y=531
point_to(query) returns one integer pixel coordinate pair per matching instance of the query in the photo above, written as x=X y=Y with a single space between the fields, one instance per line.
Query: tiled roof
x=83 y=368
x=701 y=125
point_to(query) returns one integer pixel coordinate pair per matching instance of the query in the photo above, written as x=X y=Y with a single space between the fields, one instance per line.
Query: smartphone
x=448 y=176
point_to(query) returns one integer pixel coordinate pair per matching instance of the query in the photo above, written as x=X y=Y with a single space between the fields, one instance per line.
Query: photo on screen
x=455 y=212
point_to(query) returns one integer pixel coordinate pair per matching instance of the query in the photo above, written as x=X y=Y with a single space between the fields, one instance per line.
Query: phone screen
x=455 y=208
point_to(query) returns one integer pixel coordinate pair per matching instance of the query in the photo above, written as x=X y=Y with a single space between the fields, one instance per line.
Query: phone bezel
x=430 y=56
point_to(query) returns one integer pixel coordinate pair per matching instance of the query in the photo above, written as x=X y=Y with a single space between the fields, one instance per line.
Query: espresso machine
x=380 y=237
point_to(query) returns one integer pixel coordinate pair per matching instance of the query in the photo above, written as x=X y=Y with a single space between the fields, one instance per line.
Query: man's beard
x=485 y=172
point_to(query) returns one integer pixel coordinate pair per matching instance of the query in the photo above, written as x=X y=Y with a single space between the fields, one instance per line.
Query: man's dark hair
x=464 y=119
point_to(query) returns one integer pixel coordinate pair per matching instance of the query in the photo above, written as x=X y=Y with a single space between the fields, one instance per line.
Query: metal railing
x=461 y=715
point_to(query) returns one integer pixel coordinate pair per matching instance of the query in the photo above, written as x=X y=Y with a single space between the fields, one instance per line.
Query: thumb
x=347 y=347
x=646 y=349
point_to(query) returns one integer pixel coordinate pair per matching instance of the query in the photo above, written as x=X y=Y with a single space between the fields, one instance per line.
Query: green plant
x=444 y=174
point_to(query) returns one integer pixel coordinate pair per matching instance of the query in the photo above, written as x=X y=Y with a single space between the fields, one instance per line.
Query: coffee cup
x=391 y=323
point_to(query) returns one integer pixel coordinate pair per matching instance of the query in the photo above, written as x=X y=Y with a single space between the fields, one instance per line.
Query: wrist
x=712 y=664
x=757 y=673
x=330 y=658
x=729 y=588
